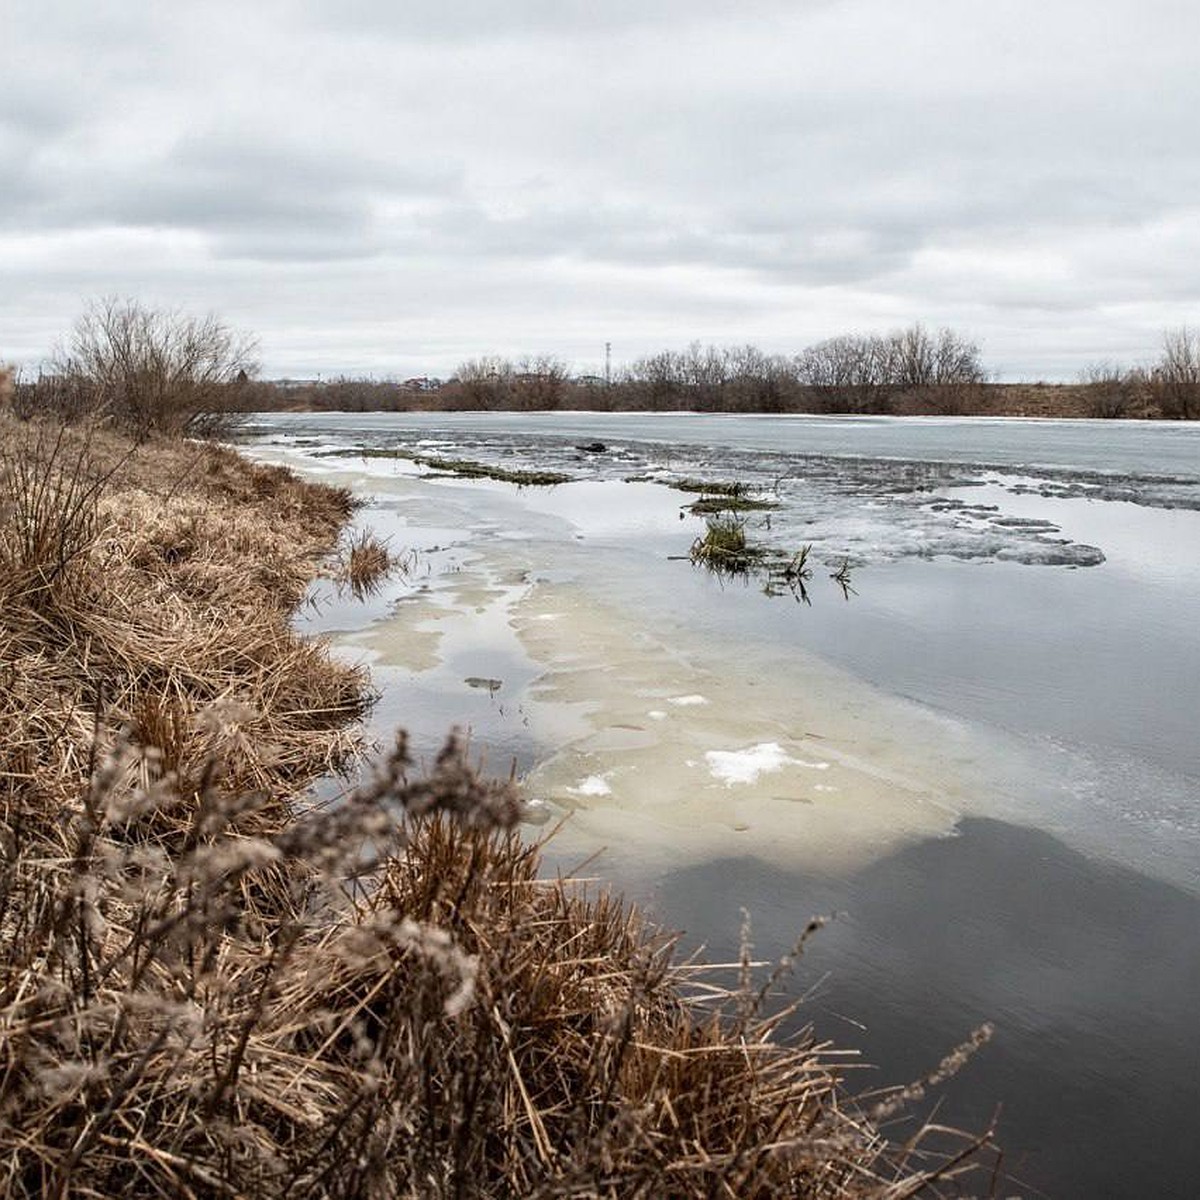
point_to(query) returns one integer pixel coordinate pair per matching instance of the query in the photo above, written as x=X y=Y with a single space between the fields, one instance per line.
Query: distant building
x=286 y=385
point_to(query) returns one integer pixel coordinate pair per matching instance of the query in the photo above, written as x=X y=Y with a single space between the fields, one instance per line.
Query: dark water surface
x=1089 y=972
x=1037 y=583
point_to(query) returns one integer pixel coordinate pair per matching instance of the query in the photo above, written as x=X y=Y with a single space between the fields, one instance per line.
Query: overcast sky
x=390 y=186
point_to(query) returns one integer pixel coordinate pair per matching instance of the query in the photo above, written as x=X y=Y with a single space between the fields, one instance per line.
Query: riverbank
x=197 y=994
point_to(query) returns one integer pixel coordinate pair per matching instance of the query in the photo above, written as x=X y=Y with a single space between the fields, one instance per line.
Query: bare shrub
x=365 y=562
x=1175 y=380
x=484 y=383
x=153 y=370
x=1112 y=390
x=50 y=489
x=539 y=382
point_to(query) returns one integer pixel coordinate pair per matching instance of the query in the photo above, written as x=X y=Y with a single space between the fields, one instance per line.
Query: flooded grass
x=716 y=504
x=366 y=563
x=462 y=468
x=724 y=547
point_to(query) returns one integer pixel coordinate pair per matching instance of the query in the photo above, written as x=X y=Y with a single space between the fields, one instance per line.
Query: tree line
x=150 y=370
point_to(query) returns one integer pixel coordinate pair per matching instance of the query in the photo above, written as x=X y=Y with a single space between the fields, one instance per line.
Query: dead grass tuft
x=365 y=562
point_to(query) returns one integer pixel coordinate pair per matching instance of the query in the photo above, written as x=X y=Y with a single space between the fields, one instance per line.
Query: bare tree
x=1175 y=381
x=916 y=358
x=661 y=378
x=705 y=375
x=485 y=382
x=1112 y=390
x=757 y=382
x=850 y=371
x=540 y=382
x=157 y=370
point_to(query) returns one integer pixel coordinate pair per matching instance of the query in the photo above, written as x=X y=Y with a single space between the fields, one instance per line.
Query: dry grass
x=138 y=590
x=208 y=991
x=365 y=562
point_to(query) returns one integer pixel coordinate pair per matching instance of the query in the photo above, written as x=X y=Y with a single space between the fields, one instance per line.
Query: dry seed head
x=223 y=716
x=62 y=1079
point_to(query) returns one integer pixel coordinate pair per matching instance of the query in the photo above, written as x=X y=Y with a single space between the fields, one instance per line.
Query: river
x=981 y=755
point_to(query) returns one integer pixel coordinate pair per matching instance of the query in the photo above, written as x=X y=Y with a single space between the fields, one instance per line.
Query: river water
x=981 y=756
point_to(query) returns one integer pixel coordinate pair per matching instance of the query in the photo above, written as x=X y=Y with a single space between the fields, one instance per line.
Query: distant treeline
x=149 y=370
x=852 y=373
x=909 y=371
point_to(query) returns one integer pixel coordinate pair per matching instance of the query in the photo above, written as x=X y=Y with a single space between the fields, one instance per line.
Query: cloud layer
x=374 y=187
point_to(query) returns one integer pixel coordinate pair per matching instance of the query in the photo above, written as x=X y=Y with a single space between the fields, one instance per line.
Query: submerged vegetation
x=364 y=564
x=464 y=468
x=725 y=549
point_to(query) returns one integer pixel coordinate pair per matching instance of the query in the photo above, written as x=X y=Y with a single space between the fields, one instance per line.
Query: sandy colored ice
x=690 y=756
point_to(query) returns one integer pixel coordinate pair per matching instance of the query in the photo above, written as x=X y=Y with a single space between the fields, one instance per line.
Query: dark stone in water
x=592 y=447
x=478 y=681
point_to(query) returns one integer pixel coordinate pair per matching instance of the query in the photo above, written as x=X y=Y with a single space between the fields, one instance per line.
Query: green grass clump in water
x=724 y=548
x=465 y=468
x=716 y=496
x=723 y=503
x=716 y=487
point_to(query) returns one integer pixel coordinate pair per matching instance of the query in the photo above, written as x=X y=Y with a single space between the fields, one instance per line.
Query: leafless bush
x=50 y=490
x=539 y=382
x=1113 y=391
x=1175 y=379
x=153 y=370
x=484 y=383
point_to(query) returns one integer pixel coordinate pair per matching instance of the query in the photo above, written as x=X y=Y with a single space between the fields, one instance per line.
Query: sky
x=389 y=187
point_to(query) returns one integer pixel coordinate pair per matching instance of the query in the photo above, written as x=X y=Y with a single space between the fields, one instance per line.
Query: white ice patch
x=745 y=766
x=593 y=785
x=688 y=701
x=656 y=714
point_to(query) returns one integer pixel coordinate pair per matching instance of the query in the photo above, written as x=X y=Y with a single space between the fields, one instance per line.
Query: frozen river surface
x=985 y=757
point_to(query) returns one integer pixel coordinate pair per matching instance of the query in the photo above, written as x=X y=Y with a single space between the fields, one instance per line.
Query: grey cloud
x=790 y=166
x=309 y=201
x=471 y=20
